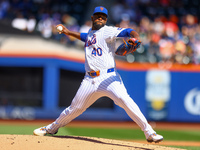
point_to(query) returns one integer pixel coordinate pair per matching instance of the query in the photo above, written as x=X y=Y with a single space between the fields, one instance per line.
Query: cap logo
x=101 y=8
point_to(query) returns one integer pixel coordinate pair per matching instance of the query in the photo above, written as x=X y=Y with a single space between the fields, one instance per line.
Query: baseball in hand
x=60 y=28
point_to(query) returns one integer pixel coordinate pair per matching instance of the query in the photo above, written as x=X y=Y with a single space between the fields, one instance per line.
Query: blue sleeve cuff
x=83 y=36
x=125 y=32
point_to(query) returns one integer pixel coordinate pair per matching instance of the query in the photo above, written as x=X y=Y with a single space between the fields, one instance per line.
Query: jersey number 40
x=97 y=51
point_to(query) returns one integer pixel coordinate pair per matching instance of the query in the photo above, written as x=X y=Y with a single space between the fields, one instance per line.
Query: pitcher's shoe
x=155 y=138
x=41 y=131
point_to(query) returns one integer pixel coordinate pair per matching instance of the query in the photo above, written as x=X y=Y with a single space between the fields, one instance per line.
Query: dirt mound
x=30 y=142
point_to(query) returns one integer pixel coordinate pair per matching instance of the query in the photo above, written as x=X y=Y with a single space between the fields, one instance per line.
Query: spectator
x=167 y=50
x=72 y=24
x=19 y=22
x=86 y=26
x=31 y=23
x=180 y=51
x=45 y=26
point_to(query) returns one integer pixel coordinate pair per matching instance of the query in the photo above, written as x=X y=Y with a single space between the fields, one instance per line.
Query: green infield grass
x=110 y=133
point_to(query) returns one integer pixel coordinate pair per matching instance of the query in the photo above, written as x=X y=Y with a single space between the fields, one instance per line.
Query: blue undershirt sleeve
x=125 y=33
x=83 y=36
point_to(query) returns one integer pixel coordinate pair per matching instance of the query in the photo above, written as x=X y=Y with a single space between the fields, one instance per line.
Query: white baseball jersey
x=100 y=48
x=99 y=56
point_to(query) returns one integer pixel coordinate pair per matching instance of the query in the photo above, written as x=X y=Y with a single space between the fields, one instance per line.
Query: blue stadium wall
x=161 y=94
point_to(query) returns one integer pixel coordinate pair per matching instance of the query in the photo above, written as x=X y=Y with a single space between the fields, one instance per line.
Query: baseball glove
x=128 y=47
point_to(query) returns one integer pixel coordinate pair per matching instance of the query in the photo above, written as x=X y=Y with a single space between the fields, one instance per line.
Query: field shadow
x=98 y=141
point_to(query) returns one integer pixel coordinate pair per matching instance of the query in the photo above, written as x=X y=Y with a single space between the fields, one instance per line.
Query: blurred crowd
x=169 y=30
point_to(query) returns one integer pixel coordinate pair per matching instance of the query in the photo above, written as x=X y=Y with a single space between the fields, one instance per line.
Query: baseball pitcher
x=101 y=77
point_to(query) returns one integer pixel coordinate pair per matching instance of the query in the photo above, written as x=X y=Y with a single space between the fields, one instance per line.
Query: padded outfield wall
x=163 y=92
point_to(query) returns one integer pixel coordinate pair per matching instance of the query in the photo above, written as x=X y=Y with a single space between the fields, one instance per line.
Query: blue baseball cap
x=101 y=9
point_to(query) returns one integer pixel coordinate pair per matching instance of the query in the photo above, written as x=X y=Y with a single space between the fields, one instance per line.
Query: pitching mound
x=30 y=142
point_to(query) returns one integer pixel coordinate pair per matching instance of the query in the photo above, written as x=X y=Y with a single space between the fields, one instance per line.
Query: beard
x=97 y=26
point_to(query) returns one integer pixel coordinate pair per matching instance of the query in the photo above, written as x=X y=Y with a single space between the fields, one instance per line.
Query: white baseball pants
x=107 y=84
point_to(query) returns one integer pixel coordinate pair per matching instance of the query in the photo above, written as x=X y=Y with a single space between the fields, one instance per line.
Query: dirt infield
x=30 y=142
x=157 y=125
